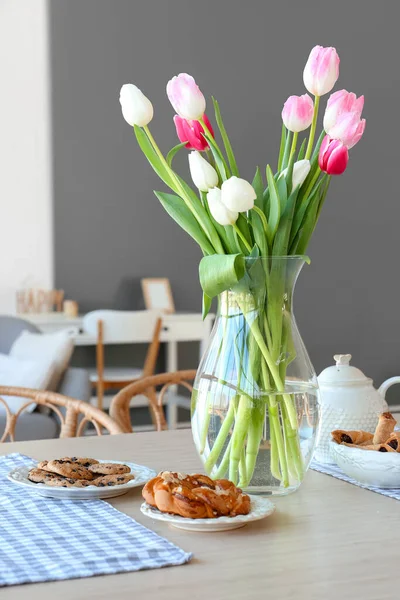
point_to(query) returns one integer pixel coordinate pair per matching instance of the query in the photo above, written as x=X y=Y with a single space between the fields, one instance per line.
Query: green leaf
x=177 y=209
x=301 y=211
x=153 y=158
x=302 y=151
x=282 y=147
x=318 y=146
x=274 y=206
x=286 y=152
x=225 y=139
x=206 y=305
x=281 y=242
x=220 y=163
x=173 y=151
x=282 y=192
x=202 y=216
x=258 y=186
x=323 y=195
x=220 y=272
x=308 y=225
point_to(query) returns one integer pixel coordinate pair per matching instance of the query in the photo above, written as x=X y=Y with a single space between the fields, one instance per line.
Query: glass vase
x=255 y=408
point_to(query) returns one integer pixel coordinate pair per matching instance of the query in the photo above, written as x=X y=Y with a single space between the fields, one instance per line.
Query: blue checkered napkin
x=44 y=539
x=335 y=471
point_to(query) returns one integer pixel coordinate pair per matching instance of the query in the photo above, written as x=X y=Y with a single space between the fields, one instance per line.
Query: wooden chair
x=121 y=327
x=71 y=426
x=119 y=409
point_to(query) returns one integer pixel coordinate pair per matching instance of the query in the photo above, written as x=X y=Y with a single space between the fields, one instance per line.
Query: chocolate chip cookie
x=68 y=469
x=41 y=476
x=109 y=469
x=110 y=480
x=85 y=462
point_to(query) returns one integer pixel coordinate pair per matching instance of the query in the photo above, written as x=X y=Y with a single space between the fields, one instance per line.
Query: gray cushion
x=33 y=426
x=11 y=328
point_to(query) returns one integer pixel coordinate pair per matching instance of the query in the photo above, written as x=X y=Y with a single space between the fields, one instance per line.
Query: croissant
x=394 y=441
x=384 y=428
x=195 y=496
x=357 y=438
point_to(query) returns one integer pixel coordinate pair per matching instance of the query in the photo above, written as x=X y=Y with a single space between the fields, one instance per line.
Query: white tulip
x=203 y=174
x=301 y=169
x=237 y=194
x=221 y=214
x=136 y=108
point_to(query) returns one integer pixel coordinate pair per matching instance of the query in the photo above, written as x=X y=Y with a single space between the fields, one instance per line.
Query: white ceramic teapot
x=348 y=400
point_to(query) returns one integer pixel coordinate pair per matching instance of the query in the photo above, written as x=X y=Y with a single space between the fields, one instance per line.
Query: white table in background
x=177 y=327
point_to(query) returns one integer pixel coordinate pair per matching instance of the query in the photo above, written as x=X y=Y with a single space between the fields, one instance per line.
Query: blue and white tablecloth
x=44 y=539
x=335 y=471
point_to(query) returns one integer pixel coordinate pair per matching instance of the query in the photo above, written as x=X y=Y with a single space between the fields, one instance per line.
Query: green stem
x=223 y=467
x=253 y=441
x=239 y=436
x=294 y=144
x=313 y=127
x=243 y=481
x=274 y=454
x=221 y=438
x=275 y=423
x=240 y=234
x=206 y=424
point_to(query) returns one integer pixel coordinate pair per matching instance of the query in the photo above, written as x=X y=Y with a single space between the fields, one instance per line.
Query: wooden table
x=327 y=541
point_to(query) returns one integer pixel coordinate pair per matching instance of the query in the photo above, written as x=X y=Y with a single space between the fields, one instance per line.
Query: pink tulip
x=348 y=128
x=186 y=97
x=321 y=71
x=191 y=132
x=297 y=113
x=341 y=102
x=333 y=156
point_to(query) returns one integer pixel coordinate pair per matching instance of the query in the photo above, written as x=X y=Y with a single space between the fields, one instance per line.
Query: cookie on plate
x=47 y=478
x=111 y=480
x=42 y=464
x=109 y=469
x=85 y=462
x=68 y=469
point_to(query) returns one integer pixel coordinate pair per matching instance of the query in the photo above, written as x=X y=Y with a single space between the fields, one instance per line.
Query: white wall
x=26 y=246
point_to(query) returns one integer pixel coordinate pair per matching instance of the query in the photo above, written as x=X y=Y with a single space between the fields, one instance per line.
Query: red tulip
x=333 y=156
x=191 y=132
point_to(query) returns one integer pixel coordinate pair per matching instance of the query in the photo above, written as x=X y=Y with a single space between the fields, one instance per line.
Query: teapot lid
x=342 y=373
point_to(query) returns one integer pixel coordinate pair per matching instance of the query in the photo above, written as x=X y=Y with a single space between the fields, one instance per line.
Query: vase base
x=270 y=490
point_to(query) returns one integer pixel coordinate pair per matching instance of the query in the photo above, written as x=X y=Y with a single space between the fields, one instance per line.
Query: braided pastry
x=195 y=496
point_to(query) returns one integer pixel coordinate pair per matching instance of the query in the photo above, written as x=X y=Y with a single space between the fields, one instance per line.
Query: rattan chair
x=119 y=409
x=68 y=411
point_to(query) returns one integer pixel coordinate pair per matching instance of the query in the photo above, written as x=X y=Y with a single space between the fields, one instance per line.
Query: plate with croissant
x=370 y=458
x=198 y=503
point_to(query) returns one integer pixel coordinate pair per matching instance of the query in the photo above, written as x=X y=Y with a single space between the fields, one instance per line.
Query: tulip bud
x=321 y=71
x=348 y=128
x=333 y=156
x=339 y=103
x=203 y=174
x=221 y=214
x=136 y=108
x=186 y=97
x=297 y=113
x=237 y=194
x=192 y=132
x=301 y=169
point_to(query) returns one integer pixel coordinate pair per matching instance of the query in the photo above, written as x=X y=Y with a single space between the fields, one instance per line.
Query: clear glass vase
x=255 y=408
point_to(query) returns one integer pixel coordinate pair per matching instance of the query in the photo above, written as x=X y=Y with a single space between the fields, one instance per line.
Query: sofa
x=75 y=384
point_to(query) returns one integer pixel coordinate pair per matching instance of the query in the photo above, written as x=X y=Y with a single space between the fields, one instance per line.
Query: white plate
x=142 y=475
x=260 y=508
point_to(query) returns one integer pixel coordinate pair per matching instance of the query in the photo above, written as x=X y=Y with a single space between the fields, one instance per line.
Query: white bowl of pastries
x=370 y=458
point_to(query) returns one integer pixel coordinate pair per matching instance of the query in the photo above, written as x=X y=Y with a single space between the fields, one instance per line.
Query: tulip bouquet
x=233 y=220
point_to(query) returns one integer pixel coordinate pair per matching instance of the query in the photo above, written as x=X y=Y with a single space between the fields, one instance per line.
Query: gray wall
x=109 y=228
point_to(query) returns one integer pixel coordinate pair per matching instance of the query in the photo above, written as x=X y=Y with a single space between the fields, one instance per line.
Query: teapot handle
x=387 y=384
